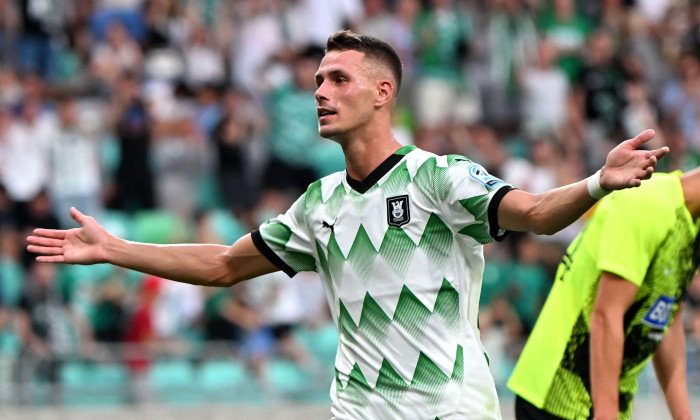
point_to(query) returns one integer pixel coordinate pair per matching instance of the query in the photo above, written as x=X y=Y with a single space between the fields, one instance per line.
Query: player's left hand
x=626 y=167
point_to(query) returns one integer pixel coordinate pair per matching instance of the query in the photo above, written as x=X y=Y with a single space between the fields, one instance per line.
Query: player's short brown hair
x=372 y=47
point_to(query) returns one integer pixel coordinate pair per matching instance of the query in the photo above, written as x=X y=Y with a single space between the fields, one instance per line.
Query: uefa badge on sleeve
x=397 y=211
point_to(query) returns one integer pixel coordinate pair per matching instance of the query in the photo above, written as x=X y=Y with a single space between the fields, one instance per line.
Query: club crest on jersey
x=660 y=311
x=482 y=176
x=397 y=211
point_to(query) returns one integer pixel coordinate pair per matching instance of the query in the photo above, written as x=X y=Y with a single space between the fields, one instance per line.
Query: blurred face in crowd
x=347 y=85
x=67 y=113
x=304 y=69
x=31 y=110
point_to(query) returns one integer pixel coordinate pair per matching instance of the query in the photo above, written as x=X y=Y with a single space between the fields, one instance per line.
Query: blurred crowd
x=194 y=120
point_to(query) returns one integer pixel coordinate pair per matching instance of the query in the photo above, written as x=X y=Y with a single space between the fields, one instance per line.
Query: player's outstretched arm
x=551 y=211
x=670 y=366
x=615 y=295
x=201 y=264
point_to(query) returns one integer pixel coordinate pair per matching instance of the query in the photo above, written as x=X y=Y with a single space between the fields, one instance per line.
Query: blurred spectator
x=10 y=93
x=528 y=282
x=639 y=111
x=47 y=326
x=117 y=54
x=229 y=318
x=180 y=155
x=442 y=40
x=512 y=45
x=602 y=82
x=25 y=170
x=203 y=63
x=565 y=27
x=40 y=20
x=257 y=40
x=313 y=21
x=131 y=123
x=178 y=307
x=546 y=92
x=73 y=59
x=11 y=268
x=234 y=138
x=109 y=317
x=283 y=304
x=293 y=133
x=140 y=332
x=74 y=163
x=7 y=213
x=36 y=213
x=681 y=101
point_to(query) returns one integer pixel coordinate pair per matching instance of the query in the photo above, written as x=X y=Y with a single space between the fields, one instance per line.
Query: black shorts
x=526 y=411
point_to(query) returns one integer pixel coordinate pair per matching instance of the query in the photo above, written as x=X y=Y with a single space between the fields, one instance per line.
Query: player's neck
x=363 y=155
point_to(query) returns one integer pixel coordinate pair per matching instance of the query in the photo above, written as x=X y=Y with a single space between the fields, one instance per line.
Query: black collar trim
x=381 y=170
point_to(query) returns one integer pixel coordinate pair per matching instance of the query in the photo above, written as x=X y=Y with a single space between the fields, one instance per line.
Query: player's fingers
x=641 y=138
x=659 y=153
x=652 y=161
x=51 y=259
x=50 y=233
x=45 y=250
x=43 y=241
x=77 y=216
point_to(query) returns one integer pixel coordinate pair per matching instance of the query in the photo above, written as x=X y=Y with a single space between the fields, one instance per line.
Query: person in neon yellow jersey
x=615 y=304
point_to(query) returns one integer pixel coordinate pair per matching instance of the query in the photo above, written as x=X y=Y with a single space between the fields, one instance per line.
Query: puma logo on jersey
x=327 y=225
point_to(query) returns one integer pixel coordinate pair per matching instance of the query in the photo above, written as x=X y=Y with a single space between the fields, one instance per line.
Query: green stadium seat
x=208 y=194
x=89 y=384
x=286 y=380
x=174 y=382
x=227 y=380
x=322 y=342
x=11 y=282
x=158 y=227
x=226 y=226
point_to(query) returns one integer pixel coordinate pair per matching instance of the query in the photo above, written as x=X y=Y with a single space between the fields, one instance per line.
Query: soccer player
x=396 y=239
x=616 y=303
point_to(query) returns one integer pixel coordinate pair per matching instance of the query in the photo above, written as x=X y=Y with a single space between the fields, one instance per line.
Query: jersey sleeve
x=470 y=197
x=285 y=241
x=631 y=231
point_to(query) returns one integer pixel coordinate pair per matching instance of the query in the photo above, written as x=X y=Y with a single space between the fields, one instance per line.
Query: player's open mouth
x=324 y=113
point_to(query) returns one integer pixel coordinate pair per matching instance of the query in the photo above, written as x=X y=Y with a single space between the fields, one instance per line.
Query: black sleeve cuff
x=270 y=254
x=493 y=213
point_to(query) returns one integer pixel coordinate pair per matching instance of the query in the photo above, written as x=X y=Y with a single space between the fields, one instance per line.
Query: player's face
x=345 y=94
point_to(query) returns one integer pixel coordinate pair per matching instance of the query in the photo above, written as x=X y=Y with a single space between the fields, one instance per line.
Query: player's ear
x=385 y=92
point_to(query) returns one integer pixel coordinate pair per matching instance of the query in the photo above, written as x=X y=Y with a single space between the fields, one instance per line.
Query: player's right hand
x=84 y=245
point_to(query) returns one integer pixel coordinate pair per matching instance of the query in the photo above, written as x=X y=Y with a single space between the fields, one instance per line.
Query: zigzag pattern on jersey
x=410 y=316
x=433 y=184
x=397 y=250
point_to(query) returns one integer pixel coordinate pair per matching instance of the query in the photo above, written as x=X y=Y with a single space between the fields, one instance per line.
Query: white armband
x=594 y=188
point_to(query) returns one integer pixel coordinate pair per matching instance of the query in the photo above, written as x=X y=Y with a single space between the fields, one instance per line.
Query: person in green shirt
x=616 y=304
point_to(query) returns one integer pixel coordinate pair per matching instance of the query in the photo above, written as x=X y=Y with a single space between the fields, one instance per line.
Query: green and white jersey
x=400 y=257
x=645 y=235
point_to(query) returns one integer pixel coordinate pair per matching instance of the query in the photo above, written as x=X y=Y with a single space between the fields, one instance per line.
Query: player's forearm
x=545 y=213
x=198 y=264
x=607 y=345
x=670 y=364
